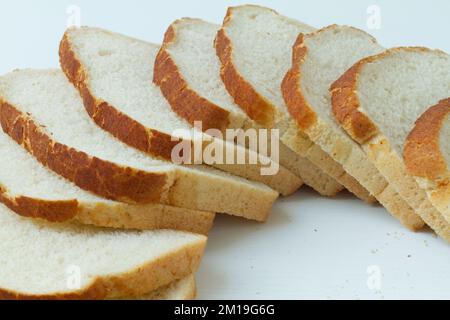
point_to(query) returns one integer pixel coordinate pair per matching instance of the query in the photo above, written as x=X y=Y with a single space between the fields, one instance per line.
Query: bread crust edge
x=185 y=101
x=245 y=96
x=422 y=154
x=50 y=210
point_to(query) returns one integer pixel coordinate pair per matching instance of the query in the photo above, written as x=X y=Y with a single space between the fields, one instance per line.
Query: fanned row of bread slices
x=93 y=207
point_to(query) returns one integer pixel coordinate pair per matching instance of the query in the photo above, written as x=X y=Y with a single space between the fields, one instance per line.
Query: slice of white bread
x=114 y=75
x=184 y=289
x=187 y=70
x=319 y=58
x=42 y=260
x=31 y=190
x=427 y=155
x=377 y=102
x=44 y=113
x=254 y=46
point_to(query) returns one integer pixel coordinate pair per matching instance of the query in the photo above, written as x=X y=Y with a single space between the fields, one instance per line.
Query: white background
x=311 y=247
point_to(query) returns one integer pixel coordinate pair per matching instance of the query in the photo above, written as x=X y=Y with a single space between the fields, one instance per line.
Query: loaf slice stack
x=187 y=70
x=44 y=113
x=114 y=75
x=427 y=155
x=319 y=58
x=32 y=190
x=254 y=46
x=377 y=102
x=66 y=261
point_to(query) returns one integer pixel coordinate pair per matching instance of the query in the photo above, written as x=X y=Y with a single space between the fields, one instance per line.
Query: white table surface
x=311 y=247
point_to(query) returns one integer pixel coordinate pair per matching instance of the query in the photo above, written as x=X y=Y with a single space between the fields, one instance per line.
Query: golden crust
x=53 y=211
x=345 y=104
x=182 y=98
x=108 y=117
x=90 y=173
x=299 y=109
x=245 y=96
x=297 y=105
x=422 y=154
x=143 y=279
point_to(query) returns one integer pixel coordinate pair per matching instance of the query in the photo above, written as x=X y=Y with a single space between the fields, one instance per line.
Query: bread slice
x=114 y=75
x=67 y=261
x=427 y=155
x=254 y=46
x=319 y=58
x=187 y=70
x=377 y=102
x=44 y=113
x=184 y=289
x=32 y=190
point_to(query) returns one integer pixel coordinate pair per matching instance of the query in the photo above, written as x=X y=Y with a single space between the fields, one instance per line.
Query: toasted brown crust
x=345 y=100
x=181 y=97
x=143 y=279
x=422 y=154
x=345 y=105
x=297 y=105
x=245 y=96
x=90 y=173
x=53 y=211
x=108 y=117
